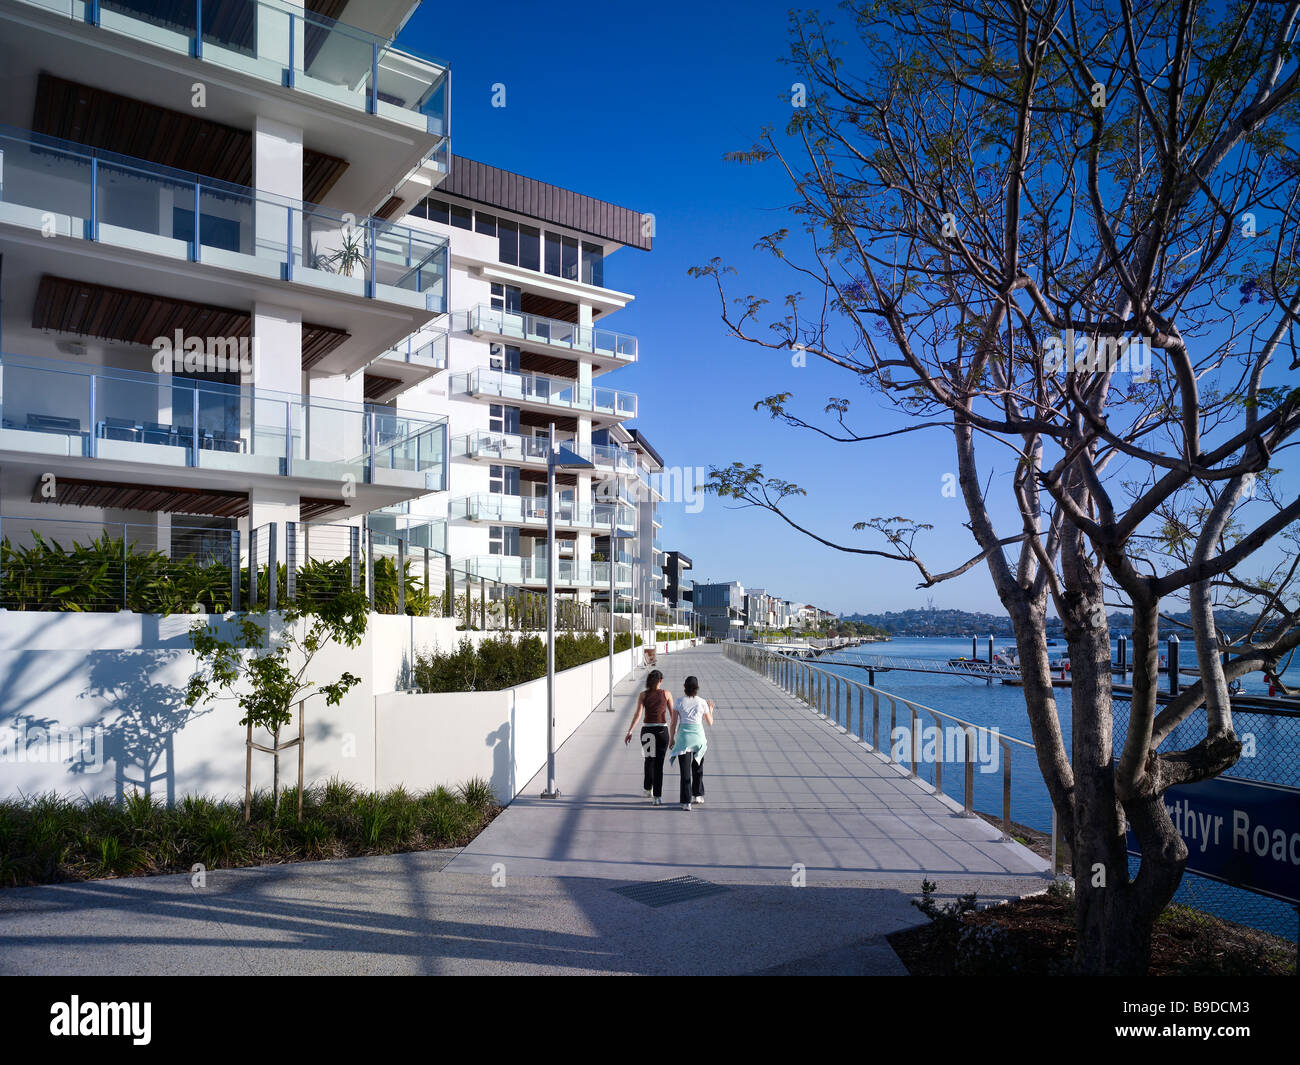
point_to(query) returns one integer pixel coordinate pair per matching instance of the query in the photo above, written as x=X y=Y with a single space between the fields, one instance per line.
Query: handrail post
x=194 y=427
x=252 y=567
x=291 y=561
x=195 y=254
x=234 y=569
x=401 y=578
x=893 y=724
x=938 y=755
x=1006 y=788
x=272 y=573
x=93 y=442
x=968 y=802
x=875 y=720
x=369 y=534
x=915 y=752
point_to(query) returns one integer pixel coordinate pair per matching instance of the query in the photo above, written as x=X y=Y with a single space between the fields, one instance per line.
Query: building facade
x=250 y=301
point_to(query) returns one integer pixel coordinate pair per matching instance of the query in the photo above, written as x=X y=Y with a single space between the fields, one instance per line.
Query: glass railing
x=516 y=447
x=62 y=409
x=60 y=188
x=427 y=348
x=533 y=329
x=548 y=391
x=511 y=569
x=283 y=44
x=526 y=510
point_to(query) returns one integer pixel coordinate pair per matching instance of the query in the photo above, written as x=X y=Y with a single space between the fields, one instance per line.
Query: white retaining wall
x=100 y=699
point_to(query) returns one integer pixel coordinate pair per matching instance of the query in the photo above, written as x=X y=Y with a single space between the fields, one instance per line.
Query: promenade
x=808 y=850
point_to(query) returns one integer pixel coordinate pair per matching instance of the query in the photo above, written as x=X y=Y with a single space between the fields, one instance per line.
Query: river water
x=999 y=706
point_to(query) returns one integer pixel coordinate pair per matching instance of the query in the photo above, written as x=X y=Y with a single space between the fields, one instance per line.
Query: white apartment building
x=528 y=355
x=244 y=285
x=198 y=274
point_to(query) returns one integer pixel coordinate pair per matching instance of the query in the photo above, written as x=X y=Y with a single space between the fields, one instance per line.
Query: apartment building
x=528 y=353
x=720 y=608
x=245 y=285
x=205 y=298
x=676 y=567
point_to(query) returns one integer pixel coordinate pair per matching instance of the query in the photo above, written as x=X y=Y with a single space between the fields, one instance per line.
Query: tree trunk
x=275 y=774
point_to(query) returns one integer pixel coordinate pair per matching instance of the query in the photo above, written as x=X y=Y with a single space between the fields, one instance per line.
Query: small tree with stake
x=256 y=665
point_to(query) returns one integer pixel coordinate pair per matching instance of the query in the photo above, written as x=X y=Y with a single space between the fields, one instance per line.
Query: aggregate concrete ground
x=817 y=846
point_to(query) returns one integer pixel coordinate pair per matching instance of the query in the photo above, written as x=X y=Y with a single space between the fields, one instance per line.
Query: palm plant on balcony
x=351 y=255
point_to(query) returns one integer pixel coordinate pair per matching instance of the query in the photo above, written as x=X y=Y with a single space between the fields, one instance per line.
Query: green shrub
x=506 y=661
x=106 y=574
x=48 y=839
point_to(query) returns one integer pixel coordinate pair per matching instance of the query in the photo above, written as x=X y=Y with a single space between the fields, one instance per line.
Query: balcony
x=283 y=45
x=50 y=409
x=552 y=334
x=538 y=392
x=530 y=512
x=59 y=188
x=426 y=349
x=521 y=450
x=511 y=569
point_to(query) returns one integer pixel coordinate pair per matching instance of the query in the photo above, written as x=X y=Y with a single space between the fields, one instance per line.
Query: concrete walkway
x=539 y=891
x=782 y=787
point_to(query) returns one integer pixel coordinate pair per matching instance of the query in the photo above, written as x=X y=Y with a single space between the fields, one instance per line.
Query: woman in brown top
x=655 y=703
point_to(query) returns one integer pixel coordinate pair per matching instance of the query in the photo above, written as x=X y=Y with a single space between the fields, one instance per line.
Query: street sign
x=1241 y=832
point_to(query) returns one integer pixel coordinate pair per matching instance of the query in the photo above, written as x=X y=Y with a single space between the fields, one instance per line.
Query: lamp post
x=615 y=536
x=556 y=458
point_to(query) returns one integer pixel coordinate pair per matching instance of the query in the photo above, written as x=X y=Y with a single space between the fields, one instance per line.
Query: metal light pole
x=556 y=458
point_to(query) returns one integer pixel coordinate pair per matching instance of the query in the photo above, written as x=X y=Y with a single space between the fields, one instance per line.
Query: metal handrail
x=811 y=684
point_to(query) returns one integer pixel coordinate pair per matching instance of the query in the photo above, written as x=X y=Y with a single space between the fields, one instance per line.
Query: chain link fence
x=1270 y=738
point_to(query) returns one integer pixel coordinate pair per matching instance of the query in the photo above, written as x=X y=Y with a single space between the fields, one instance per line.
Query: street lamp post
x=556 y=458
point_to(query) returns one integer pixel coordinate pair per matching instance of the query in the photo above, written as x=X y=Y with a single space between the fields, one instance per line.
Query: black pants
x=692 y=777
x=654 y=743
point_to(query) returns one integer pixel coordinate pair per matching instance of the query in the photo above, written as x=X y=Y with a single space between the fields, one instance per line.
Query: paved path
x=782 y=787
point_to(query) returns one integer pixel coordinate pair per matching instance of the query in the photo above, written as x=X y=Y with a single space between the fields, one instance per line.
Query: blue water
x=1001 y=706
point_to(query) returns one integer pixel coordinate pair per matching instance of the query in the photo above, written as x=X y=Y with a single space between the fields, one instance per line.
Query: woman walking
x=689 y=742
x=654 y=734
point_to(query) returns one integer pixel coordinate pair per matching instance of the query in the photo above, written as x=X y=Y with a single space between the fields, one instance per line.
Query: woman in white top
x=689 y=742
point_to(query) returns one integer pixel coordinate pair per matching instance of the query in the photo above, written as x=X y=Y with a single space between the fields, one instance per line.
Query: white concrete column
x=277 y=170
x=271 y=423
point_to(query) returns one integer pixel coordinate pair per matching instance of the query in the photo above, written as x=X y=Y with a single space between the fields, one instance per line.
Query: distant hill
x=938 y=621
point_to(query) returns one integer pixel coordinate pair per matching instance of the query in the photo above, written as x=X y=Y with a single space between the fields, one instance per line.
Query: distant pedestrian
x=689 y=742
x=655 y=703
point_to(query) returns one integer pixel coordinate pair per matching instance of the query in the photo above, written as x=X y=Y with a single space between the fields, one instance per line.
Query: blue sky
x=638 y=107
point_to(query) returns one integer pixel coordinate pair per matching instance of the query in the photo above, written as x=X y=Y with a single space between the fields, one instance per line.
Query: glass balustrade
x=55 y=408
x=60 y=188
x=557 y=392
x=514 y=447
x=511 y=569
x=551 y=332
x=285 y=45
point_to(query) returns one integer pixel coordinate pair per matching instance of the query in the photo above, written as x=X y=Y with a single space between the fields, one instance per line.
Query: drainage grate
x=666 y=892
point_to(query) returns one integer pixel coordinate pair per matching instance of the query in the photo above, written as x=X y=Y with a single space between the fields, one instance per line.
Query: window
x=438 y=210
x=508 y=236
x=593 y=264
x=462 y=217
x=530 y=248
x=552 y=265
x=507 y=298
x=561 y=256
x=485 y=223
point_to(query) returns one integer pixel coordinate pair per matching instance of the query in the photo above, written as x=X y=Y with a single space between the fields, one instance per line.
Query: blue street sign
x=1241 y=832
